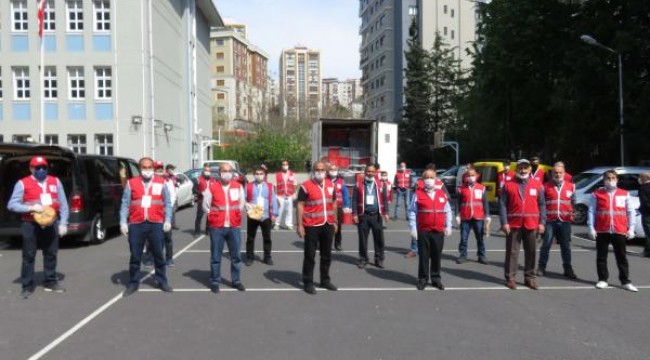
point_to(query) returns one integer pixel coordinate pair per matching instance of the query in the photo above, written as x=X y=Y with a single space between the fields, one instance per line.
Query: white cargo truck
x=354 y=143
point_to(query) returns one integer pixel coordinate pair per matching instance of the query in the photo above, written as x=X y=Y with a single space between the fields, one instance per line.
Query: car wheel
x=98 y=231
x=580 y=214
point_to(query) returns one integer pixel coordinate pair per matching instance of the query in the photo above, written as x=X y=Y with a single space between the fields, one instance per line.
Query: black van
x=92 y=183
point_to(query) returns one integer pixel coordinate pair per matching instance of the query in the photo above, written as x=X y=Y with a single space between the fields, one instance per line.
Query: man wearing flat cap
x=522 y=211
x=41 y=200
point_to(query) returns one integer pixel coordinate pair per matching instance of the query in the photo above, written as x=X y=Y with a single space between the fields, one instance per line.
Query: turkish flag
x=41 y=17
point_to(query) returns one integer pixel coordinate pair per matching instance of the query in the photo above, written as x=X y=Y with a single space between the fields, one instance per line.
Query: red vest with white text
x=538 y=175
x=319 y=206
x=403 y=179
x=338 y=187
x=287 y=188
x=504 y=177
x=471 y=202
x=32 y=193
x=523 y=211
x=361 y=197
x=611 y=213
x=558 y=203
x=431 y=211
x=156 y=211
x=224 y=205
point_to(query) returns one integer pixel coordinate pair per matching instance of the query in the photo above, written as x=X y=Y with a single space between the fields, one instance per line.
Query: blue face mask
x=40 y=174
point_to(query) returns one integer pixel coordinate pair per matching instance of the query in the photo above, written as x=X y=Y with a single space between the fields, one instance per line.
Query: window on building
x=104 y=144
x=219 y=42
x=221 y=82
x=50 y=83
x=49 y=16
x=75 y=15
x=21 y=83
x=220 y=55
x=22 y=138
x=19 y=15
x=221 y=110
x=76 y=83
x=103 y=83
x=102 y=19
x=221 y=96
x=220 y=69
x=452 y=13
x=51 y=139
x=413 y=10
x=77 y=142
x=444 y=31
x=452 y=34
x=444 y=9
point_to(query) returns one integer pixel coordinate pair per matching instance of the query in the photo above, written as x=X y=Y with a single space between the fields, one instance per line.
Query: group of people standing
x=528 y=208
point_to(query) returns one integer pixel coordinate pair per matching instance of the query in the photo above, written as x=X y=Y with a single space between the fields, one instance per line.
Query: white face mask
x=147 y=174
x=429 y=183
x=259 y=178
x=206 y=173
x=319 y=175
x=160 y=173
x=471 y=179
x=226 y=176
x=611 y=184
x=384 y=178
x=369 y=178
x=285 y=167
x=334 y=173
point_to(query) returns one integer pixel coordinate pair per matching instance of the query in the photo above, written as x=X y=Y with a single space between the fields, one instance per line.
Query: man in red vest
x=202 y=183
x=316 y=213
x=31 y=195
x=369 y=213
x=342 y=202
x=260 y=193
x=285 y=184
x=402 y=185
x=537 y=172
x=429 y=221
x=224 y=201
x=145 y=215
x=611 y=219
x=147 y=258
x=522 y=213
x=504 y=176
x=473 y=213
x=559 y=194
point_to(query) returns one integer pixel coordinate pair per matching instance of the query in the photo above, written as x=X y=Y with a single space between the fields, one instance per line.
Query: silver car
x=587 y=182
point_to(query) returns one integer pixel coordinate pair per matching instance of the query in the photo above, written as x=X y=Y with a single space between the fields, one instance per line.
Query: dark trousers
x=153 y=236
x=477 y=227
x=366 y=223
x=218 y=238
x=251 y=232
x=513 y=243
x=430 y=244
x=33 y=237
x=199 y=217
x=602 y=250
x=645 y=223
x=147 y=257
x=339 y=220
x=561 y=230
x=317 y=237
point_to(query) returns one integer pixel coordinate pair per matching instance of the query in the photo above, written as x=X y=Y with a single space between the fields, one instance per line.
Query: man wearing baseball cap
x=33 y=195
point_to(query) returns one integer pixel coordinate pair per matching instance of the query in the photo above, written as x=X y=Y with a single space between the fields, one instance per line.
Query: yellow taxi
x=489 y=174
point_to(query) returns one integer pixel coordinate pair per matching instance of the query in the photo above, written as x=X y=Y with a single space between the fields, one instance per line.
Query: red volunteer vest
x=338 y=187
x=403 y=179
x=33 y=191
x=319 y=206
x=249 y=194
x=523 y=212
x=504 y=177
x=431 y=212
x=539 y=175
x=156 y=211
x=203 y=185
x=471 y=202
x=218 y=208
x=611 y=213
x=558 y=204
x=362 y=196
x=388 y=188
x=288 y=188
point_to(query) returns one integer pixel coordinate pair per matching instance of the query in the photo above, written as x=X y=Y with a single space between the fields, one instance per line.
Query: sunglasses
x=41 y=167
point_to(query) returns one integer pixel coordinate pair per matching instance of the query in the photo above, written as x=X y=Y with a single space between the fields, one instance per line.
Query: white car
x=184 y=196
x=638 y=228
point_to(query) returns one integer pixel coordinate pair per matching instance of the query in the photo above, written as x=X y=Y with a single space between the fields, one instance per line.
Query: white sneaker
x=602 y=285
x=290 y=227
x=630 y=287
x=276 y=227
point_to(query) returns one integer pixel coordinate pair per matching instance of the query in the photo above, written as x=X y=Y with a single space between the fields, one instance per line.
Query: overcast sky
x=332 y=26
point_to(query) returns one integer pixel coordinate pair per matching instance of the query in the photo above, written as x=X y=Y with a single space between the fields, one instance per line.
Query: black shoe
x=461 y=260
x=248 y=261
x=268 y=261
x=329 y=286
x=239 y=287
x=421 y=284
x=54 y=288
x=482 y=260
x=438 y=285
x=310 y=289
x=541 y=271
x=379 y=264
x=130 y=290
x=26 y=293
x=361 y=264
x=197 y=234
x=568 y=272
x=166 y=288
x=338 y=247
x=175 y=227
x=214 y=288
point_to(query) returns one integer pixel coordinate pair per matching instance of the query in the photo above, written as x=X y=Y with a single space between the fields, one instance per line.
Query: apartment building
x=341 y=93
x=128 y=78
x=300 y=83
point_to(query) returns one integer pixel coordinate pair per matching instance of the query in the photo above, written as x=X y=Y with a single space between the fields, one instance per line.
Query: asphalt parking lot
x=376 y=314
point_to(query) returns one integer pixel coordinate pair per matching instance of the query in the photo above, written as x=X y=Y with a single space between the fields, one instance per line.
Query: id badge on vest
x=478 y=194
x=234 y=194
x=156 y=189
x=620 y=201
x=46 y=199
x=146 y=201
x=370 y=200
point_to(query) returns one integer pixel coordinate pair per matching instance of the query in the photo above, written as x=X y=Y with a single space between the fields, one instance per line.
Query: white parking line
x=355 y=251
x=410 y=288
x=594 y=243
x=97 y=312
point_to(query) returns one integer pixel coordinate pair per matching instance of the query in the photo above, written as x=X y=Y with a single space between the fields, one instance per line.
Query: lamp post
x=591 y=41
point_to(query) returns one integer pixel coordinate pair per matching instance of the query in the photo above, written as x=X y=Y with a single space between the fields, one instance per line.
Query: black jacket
x=644 y=198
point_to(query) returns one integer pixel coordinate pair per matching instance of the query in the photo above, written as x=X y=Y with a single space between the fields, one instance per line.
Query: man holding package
x=261 y=208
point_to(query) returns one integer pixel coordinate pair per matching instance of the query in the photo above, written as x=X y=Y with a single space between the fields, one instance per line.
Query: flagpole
x=42 y=73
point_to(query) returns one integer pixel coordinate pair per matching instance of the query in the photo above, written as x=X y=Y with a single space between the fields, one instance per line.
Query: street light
x=591 y=41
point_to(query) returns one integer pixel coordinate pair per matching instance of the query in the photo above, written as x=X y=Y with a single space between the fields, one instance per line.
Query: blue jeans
x=414 y=245
x=151 y=234
x=219 y=236
x=48 y=239
x=561 y=231
x=401 y=194
x=465 y=227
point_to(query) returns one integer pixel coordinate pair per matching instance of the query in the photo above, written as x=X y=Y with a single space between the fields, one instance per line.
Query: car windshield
x=585 y=179
x=451 y=172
